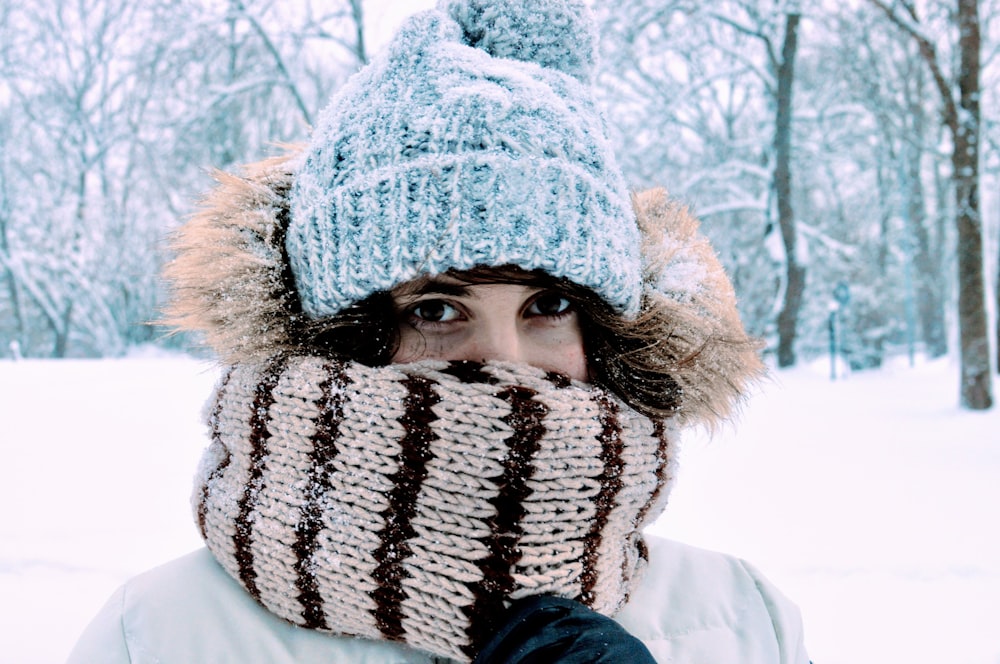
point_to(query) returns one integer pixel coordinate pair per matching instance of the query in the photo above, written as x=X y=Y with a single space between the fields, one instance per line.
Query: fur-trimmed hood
x=231 y=283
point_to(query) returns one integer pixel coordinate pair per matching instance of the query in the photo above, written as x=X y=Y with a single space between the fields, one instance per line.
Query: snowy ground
x=873 y=502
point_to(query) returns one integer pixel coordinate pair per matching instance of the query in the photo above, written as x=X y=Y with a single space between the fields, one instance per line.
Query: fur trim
x=686 y=286
x=231 y=283
x=230 y=280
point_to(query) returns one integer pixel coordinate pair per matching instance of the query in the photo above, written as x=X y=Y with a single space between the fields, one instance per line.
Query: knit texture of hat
x=474 y=139
x=414 y=502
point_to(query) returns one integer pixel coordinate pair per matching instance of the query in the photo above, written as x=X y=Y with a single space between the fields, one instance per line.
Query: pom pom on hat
x=474 y=140
x=552 y=33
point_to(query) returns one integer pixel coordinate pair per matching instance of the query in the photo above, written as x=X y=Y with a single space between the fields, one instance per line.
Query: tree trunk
x=12 y=285
x=14 y=292
x=61 y=329
x=358 y=16
x=930 y=298
x=963 y=120
x=795 y=274
x=976 y=383
x=929 y=278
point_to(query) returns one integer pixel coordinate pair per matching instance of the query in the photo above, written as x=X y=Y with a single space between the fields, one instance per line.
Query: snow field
x=873 y=502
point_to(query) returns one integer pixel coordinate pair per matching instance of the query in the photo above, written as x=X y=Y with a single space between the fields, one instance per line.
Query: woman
x=459 y=356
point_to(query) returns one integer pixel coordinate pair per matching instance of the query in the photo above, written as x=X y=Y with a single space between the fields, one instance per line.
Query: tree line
x=836 y=153
x=844 y=157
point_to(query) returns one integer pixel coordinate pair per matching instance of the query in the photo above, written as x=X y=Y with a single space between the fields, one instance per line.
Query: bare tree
x=795 y=274
x=962 y=117
x=991 y=130
x=887 y=78
x=706 y=90
x=112 y=112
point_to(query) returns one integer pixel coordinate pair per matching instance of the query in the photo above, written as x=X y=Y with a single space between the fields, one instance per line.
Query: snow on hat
x=474 y=139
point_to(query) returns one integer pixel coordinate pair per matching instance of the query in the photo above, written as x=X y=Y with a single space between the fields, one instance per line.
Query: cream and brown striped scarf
x=412 y=502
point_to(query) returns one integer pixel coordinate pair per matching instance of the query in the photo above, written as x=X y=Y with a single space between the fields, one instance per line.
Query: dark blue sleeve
x=552 y=630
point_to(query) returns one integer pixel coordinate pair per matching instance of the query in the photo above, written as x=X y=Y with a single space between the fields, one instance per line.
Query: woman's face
x=442 y=318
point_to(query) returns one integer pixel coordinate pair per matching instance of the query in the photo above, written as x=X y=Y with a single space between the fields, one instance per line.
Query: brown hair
x=686 y=354
x=628 y=357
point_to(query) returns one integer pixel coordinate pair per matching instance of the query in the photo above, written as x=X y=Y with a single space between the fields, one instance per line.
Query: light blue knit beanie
x=474 y=139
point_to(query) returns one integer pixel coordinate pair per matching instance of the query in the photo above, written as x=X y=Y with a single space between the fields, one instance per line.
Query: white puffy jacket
x=692 y=606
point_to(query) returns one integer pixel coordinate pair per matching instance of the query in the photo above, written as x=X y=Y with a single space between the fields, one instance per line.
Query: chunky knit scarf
x=412 y=502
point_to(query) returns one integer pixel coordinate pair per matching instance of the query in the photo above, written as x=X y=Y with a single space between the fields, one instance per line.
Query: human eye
x=551 y=304
x=433 y=311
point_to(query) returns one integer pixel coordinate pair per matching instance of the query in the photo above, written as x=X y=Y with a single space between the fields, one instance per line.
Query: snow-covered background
x=873 y=502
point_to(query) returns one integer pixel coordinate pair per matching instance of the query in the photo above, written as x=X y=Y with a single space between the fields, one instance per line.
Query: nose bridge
x=499 y=339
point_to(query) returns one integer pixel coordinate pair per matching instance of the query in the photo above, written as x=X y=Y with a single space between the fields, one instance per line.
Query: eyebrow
x=434 y=287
